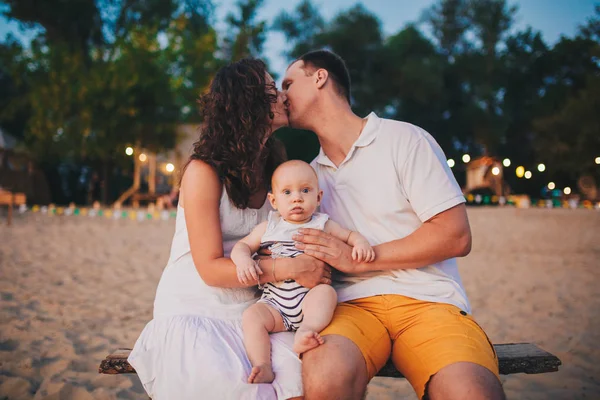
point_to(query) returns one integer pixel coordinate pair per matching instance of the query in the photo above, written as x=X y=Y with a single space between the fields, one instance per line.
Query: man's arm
x=445 y=235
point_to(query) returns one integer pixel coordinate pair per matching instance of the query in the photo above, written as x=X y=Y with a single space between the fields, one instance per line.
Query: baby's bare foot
x=306 y=340
x=261 y=374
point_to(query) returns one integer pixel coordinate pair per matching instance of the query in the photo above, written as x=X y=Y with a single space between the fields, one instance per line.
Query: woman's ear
x=321 y=76
x=272 y=200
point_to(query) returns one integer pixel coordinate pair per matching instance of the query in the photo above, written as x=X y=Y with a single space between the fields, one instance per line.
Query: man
x=389 y=181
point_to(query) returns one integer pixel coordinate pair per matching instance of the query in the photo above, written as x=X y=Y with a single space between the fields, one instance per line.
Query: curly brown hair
x=236 y=114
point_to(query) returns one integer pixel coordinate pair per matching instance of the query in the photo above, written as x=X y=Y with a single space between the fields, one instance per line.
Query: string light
x=506 y=162
x=496 y=171
x=551 y=185
x=567 y=190
x=143 y=157
x=170 y=167
x=597 y=160
x=466 y=158
x=541 y=167
x=527 y=174
x=520 y=171
x=129 y=151
x=450 y=163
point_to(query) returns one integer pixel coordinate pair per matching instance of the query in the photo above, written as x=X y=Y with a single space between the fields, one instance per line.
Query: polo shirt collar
x=366 y=137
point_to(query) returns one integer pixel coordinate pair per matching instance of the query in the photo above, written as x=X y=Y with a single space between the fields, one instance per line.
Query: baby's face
x=295 y=193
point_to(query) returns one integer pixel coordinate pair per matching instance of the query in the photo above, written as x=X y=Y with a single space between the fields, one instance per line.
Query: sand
x=72 y=289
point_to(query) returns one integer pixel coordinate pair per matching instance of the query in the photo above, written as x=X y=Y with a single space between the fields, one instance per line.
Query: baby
x=285 y=305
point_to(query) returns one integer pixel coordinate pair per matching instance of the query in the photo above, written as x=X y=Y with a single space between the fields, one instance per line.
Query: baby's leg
x=318 y=306
x=258 y=320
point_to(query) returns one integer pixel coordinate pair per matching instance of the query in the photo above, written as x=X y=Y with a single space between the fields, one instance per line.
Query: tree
x=76 y=23
x=246 y=35
x=14 y=110
x=567 y=134
x=300 y=28
x=412 y=83
x=87 y=96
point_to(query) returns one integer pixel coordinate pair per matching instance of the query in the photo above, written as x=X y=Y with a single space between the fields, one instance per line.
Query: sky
x=552 y=17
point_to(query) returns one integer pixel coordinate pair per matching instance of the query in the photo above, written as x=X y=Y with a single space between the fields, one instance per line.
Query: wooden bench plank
x=513 y=358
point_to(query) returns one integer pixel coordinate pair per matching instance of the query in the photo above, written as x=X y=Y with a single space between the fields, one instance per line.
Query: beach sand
x=72 y=289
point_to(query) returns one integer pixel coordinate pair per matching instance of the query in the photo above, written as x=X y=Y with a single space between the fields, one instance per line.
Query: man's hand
x=327 y=248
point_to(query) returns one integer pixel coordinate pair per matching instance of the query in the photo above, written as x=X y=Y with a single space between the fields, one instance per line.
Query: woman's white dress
x=193 y=348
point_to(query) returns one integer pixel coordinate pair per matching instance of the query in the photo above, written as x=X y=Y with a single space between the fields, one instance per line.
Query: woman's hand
x=310 y=272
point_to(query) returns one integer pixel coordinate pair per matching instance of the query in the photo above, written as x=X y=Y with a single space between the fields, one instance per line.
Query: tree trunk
x=105 y=181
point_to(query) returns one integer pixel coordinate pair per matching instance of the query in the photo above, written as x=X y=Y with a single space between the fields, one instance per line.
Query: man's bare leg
x=318 y=306
x=334 y=370
x=465 y=380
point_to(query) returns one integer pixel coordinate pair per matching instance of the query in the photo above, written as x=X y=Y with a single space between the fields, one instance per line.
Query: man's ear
x=272 y=200
x=321 y=77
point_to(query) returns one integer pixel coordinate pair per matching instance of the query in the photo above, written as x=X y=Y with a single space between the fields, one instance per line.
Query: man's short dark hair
x=335 y=66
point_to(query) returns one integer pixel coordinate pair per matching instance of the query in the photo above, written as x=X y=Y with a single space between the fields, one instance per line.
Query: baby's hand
x=362 y=251
x=248 y=271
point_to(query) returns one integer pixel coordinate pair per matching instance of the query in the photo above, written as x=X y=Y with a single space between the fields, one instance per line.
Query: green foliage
x=94 y=84
x=246 y=36
x=104 y=74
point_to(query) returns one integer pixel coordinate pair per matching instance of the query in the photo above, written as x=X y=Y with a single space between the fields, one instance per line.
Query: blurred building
x=486 y=174
x=18 y=173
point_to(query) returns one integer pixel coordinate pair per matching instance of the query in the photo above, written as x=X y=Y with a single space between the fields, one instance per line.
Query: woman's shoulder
x=198 y=170
x=200 y=177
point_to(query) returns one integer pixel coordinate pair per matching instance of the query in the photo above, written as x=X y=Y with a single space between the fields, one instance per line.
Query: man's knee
x=335 y=369
x=464 y=380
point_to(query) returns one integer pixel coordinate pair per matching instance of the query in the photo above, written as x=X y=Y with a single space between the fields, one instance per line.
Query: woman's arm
x=200 y=196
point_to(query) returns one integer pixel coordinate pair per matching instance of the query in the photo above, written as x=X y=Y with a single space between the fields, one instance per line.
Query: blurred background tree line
x=101 y=75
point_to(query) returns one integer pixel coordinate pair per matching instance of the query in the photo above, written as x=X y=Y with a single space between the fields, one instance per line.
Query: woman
x=193 y=348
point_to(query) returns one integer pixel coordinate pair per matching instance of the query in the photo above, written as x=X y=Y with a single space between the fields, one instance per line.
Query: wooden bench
x=513 y=358
x=11 y=199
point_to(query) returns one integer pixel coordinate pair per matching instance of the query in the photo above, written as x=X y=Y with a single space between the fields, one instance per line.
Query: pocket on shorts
x=468 y=318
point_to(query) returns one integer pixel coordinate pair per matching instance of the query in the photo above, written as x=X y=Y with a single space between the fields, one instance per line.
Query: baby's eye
x=287 y=192
x=305 y=190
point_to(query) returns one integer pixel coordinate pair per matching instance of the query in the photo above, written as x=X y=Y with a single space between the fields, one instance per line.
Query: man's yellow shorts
x=422 y=337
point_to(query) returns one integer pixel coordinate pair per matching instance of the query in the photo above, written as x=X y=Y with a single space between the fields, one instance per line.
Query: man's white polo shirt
x=394 y=178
